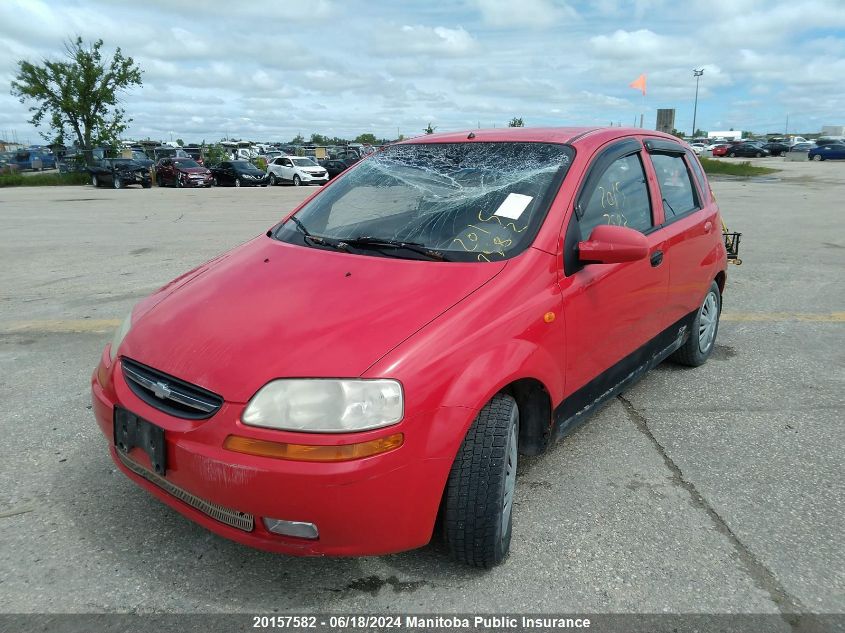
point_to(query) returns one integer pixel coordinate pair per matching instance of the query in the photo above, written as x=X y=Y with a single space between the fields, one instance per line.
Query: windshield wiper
x=308 y=235
x=366 y=241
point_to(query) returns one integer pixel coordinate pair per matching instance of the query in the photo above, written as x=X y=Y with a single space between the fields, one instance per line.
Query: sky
x=267 y=71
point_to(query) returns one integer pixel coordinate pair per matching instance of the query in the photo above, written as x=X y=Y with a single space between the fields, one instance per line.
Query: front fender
x=490 y=372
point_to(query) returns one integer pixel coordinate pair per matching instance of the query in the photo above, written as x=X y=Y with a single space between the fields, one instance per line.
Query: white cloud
x=525 y=13
x=438 y=41
x=271 y=70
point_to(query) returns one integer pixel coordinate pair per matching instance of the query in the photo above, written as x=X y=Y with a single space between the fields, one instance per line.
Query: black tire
x=94 y=180
x=214 y=182
x=818 y=157
x=474 y=524
x=732 y=155
x=115 y=182
x=147 y=185
x=690 y=353
x=759 y=154
x=273 y=180
x=296 y=181
x=237 y=182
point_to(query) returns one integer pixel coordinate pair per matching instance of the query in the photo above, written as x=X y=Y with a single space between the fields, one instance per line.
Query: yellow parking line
x=60 y=326
x=761 y=317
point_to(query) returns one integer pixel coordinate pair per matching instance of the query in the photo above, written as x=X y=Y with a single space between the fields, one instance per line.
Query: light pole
x=697 y=74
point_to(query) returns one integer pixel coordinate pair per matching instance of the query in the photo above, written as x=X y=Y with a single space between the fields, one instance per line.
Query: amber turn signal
x=313 y=453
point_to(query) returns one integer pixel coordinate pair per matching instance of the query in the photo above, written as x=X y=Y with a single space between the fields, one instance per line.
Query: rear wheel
x=698 y=347
x=178 y=182
x=759 y=154
x=214 y=182
x=818 y=157
x=478 y=504
x=732 y=155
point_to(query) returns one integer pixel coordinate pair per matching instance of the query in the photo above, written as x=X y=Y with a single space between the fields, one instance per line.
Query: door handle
x=707 y=226
x=656 y=258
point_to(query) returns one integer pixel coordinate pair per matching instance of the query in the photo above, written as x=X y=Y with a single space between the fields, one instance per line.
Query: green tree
x=78 y=96
x=429 y=129
x=516 y=122
x=319 y=139
x=367 y=139
x=214 y=154
x=699 y=133
x=180 y=142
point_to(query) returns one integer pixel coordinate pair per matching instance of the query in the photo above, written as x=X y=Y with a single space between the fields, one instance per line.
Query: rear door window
x=676 y=188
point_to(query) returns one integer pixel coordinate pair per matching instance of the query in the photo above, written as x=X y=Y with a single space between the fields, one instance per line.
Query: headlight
x=120 y=334
x=326 y=406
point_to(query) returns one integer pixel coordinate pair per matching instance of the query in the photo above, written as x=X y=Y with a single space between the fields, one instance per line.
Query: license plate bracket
x=130 y=431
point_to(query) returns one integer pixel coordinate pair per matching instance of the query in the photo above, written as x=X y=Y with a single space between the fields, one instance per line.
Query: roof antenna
x=471 y=135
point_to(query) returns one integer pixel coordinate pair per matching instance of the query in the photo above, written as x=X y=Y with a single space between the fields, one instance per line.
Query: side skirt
x=577 y=407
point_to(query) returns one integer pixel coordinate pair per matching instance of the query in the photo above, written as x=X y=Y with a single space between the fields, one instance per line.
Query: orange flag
x=639 y=84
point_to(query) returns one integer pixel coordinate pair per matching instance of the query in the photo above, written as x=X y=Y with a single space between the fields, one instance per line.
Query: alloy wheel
x=707 y=321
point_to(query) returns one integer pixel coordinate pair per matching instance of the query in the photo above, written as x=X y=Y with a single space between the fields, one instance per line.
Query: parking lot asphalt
x=717 y=489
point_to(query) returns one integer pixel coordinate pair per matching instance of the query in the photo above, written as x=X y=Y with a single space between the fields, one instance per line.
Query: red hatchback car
x=382 y=356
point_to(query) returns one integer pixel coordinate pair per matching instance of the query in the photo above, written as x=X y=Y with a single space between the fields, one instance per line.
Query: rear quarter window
x=700 y=177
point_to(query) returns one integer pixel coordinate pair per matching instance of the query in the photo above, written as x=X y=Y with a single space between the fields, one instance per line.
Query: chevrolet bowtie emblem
x=161 y=390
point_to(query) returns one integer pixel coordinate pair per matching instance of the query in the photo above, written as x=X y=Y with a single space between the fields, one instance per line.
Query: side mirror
x=613 y=245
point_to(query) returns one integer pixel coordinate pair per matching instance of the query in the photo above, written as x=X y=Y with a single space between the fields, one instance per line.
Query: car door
x=286 y=169
x=276 y=167
x=224 y=173
x=107 y=175
x=611 y=310
x=165 y=171
x=691 y=228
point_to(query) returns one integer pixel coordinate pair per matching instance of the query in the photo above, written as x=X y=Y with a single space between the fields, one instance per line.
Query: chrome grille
x=169 y=394
x=239 y=520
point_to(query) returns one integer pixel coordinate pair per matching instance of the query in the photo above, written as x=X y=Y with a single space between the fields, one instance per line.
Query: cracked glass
x=469 y=201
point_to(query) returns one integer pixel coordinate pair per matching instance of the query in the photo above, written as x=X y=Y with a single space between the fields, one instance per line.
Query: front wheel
x=95 y=181
x=698 y=347
x=273 y=180
x=237 y=182
x=759 y=154
x=732 y=155
x=296 y=181
x=115 y=183
x=478 y=504
x=214 y=182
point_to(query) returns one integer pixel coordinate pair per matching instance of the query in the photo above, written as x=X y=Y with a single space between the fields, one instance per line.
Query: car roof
x=585 y=137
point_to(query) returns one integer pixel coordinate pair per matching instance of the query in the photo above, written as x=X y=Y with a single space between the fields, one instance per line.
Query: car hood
x=194 y=170
x=270 y=309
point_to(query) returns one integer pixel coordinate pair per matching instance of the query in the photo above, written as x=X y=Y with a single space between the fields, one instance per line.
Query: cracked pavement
x=709 y=490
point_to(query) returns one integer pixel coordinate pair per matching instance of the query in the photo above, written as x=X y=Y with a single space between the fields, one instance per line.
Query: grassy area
x=734 y=169
x=43 y=180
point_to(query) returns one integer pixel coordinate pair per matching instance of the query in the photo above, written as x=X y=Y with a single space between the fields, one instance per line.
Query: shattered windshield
x=469 y=201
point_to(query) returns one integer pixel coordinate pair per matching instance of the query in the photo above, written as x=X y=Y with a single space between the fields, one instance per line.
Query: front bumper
x=310 y=179
x=254 y=182
x=197 y=182
x=376 y=505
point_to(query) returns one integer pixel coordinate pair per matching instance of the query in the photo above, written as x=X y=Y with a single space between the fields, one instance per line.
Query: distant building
x=665 y=120
x=833 y=130
x=730 y=135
